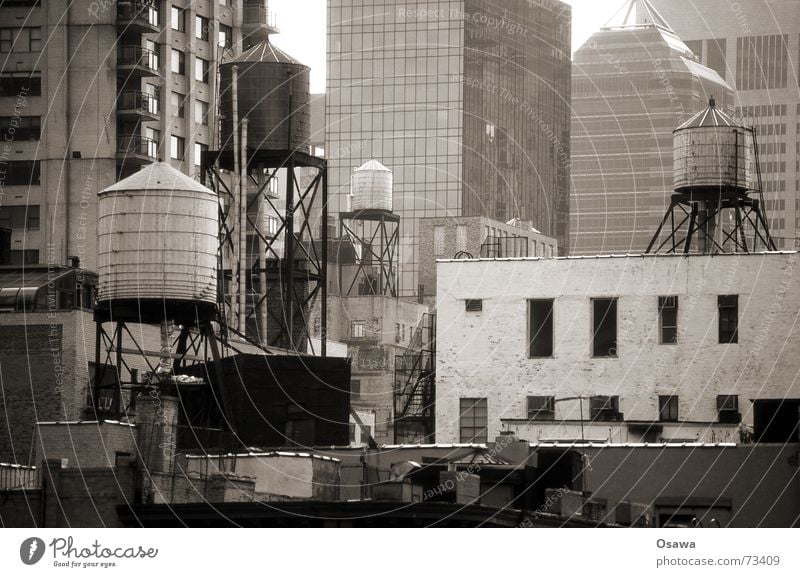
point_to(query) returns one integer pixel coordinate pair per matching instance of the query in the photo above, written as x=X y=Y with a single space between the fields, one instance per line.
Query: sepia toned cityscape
x=470 y=264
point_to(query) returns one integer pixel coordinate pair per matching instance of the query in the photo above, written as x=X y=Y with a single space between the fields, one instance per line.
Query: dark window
x=20 y=217
x=728 y=318
x=473 y=305
x=16 y=128
x=541 y=328
x=668 y=319
x=668 y=408
x=604 y=322
x=541 y=408
x=20 y=84
x=201 y=27
x=20 y=257
x=728 y=409
x=355 y=387
x=604 y=408
x=22 y=172
x=474 y=420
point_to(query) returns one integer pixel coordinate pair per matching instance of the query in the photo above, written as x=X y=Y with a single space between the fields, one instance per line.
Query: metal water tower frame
x=302 y=247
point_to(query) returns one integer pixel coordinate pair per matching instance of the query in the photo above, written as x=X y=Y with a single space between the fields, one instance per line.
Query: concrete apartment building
x=632 y=85
x=617 y=349
x=466 y=100
x=755 y=46
x=90 y=91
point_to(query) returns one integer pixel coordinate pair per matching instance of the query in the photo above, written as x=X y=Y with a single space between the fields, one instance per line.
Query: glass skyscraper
x=632 y=86
x=467 y=101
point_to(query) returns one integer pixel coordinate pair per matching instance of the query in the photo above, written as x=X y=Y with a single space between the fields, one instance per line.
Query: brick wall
x=44 y=372
x=85 y=497
x=32 y=377
x=485 y=354
x=86 y=444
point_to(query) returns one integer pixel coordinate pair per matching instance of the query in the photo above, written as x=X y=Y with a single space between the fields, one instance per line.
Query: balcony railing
x=140 y=15
x=135 y=145
x=137 y=102
x=137 y=57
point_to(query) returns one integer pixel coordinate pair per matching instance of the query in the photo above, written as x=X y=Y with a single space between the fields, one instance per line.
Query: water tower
x=718 y=194
x=157 y=264
x=272 y=281
x=373 y=231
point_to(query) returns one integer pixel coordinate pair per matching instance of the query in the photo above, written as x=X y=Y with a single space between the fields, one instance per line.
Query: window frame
x=360 y=327
x=668 y=408
x=724 y=319
x=470 y=420
x=547 y=410
x=202 y=69
x=177 y=20
x=667 y=303
x=613 y=350
x=202 y=27
x=607 y=411
x=548 y=325
x=177 y=147
x=178 y=106
x=181 y=63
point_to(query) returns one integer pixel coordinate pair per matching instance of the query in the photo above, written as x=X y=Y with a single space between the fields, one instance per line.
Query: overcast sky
x=302 y=26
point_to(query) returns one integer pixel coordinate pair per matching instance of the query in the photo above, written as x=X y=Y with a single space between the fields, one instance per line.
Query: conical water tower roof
x=158 y=176
x=711 y=116
x=373 y=165
x=264 y=52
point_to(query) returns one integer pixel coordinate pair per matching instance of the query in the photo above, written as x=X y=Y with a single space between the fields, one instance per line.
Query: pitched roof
x=158 y=176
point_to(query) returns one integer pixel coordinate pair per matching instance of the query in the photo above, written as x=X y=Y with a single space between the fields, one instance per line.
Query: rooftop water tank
x=273 y=94
x=157 y=240
x=371 y=187
x=713 y=151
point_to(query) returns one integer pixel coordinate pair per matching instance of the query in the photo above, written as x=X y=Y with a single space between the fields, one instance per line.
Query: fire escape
x=415 y=386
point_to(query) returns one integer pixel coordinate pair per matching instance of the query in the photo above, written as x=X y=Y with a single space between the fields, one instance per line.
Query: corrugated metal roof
x=265 y=52
x=158 y=176
x=710 y=117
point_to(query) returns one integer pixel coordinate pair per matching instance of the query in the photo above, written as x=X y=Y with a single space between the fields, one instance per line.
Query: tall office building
x=90 y=91
x=755 y=45
x=632 y=85
x=466 y=100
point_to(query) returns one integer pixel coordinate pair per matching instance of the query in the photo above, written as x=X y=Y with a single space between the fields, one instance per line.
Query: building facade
x=631 y=87
x=466 y=100
x=476 y=237
x=755 y=46
x=90 y=91
x=614 y=349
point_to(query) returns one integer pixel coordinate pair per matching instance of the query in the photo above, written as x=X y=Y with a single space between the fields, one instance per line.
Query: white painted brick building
x=488 y=367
